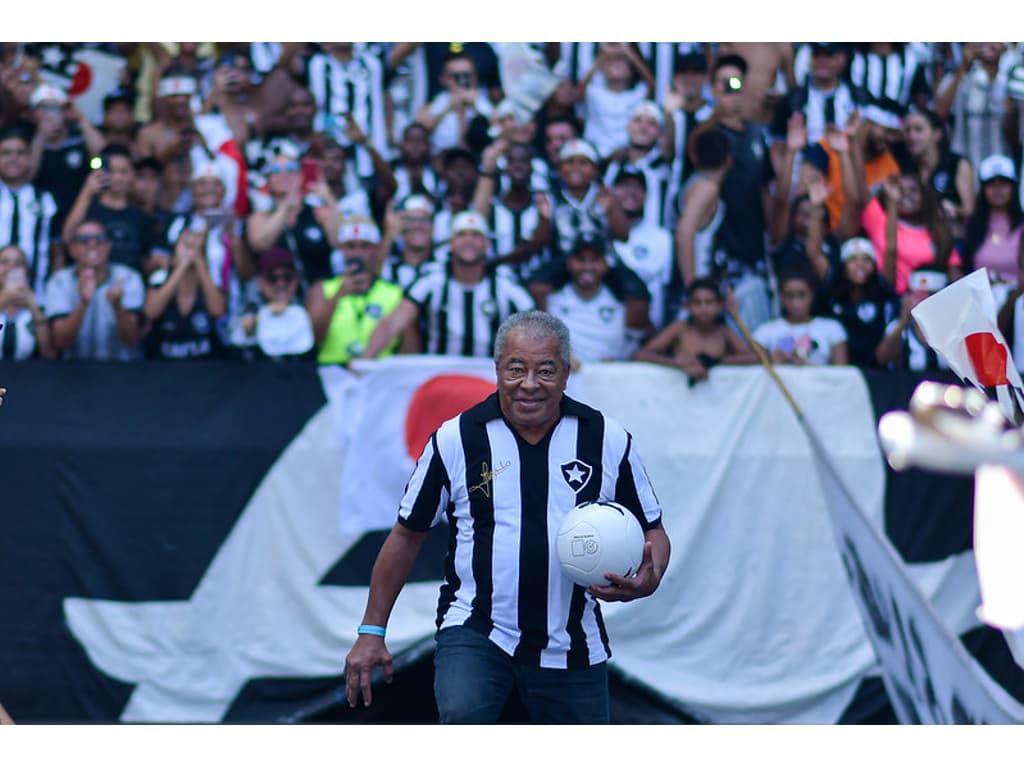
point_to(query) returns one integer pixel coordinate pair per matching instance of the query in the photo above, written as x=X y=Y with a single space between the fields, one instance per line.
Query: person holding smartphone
x=25 y=332
x=449 y=115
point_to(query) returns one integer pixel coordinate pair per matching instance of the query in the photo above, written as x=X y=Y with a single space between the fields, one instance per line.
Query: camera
x=733 y=84
x=357 y=265
x=463 y=80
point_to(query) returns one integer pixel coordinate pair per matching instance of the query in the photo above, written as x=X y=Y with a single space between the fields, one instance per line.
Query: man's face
x=468 y=246
x=631 y=194
x=417 y=229
x=643 y=131
x=877 y=138
x=207 y=193
x=826 y=66
x=415 y=145
x=690 y=83
x=531 y=379
x=146 y=186
x=555 y=135
x=177 y=107
x=300 y=112
x=90 y=247
x=118 y=117
x=332 y=161
x=587 y=268
x=460 y=174
x=459 y=75
x=577 y=172
x=237 y=73
x=519 y=166
x=358 y=249
x=122 y=174
x=730 y=99
x=14 y=161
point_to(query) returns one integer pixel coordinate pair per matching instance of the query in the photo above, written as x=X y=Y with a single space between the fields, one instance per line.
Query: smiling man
x=505 y=473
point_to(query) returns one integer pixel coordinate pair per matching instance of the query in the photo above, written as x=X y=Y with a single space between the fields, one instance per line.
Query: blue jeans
x=473 y=679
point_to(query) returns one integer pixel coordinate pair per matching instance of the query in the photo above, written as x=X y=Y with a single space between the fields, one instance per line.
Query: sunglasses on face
x=86 y=239
x=283 y=168
x=280 y=278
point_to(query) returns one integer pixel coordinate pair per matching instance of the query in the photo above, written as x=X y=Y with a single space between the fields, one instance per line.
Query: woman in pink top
x=993 y=238
x=908 y=228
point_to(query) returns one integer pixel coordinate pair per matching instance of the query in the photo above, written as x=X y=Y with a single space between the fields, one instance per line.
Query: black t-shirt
x=308 y=241
x=175 y=336
x=130 y=230
x=865 y=322
x=741 y=235
x=943 y=178
x=62 y=172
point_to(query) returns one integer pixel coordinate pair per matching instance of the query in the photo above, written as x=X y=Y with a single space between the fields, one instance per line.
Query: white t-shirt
x=813 y=341
x=597 y=326
x=446 y=133
x=608 y=115
x=649 y=253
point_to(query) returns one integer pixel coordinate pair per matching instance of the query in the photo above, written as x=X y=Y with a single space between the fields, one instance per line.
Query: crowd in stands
x=677 y=203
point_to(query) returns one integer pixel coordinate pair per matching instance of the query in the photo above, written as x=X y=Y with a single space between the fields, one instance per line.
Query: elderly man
x=95 y=306
x=500 y=472
x=460 y=308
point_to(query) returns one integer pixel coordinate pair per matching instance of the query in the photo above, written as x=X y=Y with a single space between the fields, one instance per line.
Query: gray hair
x=535 y=324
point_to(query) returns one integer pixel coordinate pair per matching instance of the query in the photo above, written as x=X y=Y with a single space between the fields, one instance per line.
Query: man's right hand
x=86 y=284
x=368 y=652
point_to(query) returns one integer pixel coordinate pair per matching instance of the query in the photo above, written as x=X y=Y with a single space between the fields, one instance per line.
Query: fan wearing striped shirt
x=460 y=307
x=504 y=474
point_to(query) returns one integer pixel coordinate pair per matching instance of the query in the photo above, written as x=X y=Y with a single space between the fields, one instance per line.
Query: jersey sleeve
x=428 y=491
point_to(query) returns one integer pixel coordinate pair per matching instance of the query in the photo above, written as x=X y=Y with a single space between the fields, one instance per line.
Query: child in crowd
x=799 y=337
x=903 y=347
x=701 y=340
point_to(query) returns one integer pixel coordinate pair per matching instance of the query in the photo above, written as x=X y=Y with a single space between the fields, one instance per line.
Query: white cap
x=469 y=220
x=417 y=203
x=578 y=148
x=856 y=245
x=47 y=92
x=359 y=230
x=648 y=109
x=206 y=171
x=996 y=167
x=930 y=280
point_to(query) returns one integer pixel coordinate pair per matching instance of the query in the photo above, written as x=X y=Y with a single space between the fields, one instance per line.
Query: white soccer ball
x=599 y=537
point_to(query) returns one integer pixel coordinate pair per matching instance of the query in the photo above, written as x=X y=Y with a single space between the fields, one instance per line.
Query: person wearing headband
x=903 y=347
x=171 y=136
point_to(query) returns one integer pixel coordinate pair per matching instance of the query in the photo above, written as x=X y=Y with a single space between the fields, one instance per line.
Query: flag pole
x=762 y=355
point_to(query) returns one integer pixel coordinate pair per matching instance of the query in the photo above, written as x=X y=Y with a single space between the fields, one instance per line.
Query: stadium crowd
x=672 y=202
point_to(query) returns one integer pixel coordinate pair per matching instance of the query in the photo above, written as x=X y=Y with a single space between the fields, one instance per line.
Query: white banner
x=928 y=674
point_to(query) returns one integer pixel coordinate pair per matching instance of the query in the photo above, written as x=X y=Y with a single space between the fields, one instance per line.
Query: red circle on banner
x=82 y=80
x=435 y=401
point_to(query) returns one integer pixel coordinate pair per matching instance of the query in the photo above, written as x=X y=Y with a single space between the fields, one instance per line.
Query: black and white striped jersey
x=658 y=174
x=504 y=500
x=27 y=220
x=357 y=88
x=463 y=320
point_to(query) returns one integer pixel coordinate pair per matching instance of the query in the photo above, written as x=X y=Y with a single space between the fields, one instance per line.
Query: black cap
x=590 y=240
x=691 y=61
x=449 y=155
x=628 y=171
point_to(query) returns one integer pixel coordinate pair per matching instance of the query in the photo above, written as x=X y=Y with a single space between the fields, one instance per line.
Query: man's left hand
x=622 y=589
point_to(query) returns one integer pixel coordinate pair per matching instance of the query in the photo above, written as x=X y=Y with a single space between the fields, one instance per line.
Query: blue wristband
x=370 y=629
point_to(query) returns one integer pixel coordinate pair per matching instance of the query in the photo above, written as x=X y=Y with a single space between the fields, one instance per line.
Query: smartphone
x=96 y=163
x=463 y=79
x=356 y=265
x=312 y=169
x=222 y=219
